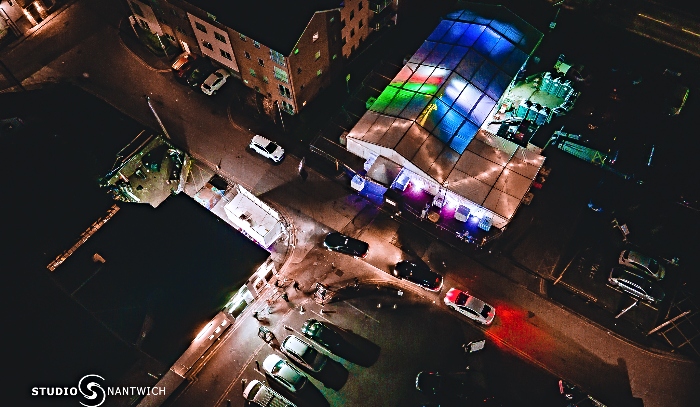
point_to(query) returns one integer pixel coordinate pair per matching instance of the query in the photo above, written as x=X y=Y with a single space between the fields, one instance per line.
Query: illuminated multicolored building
x=428 y=125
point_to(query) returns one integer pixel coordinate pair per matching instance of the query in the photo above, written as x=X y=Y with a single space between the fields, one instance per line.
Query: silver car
x=638 y=261
x=304 y=354
x=636 y=285
x=284 y=373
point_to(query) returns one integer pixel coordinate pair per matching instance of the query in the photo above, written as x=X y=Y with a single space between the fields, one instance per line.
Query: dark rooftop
x=277 y=24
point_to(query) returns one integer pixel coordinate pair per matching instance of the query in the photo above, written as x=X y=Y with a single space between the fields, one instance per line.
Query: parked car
x=322 y=333
x=257 y=394
x=418 y=274
x=636 y=285
x=183 y=63
x=215 y=81
x=575 y=397
x=470 y=306
x=284 y=373
x=648 y=265
x=267 y=148
x=441 y=384
x=341 y=243
x=304 y=354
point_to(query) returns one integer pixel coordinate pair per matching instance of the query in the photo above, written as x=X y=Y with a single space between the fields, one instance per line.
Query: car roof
x=295 y=345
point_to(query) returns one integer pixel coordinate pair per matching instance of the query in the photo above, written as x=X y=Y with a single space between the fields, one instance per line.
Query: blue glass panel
x=397 y=104
x=501 y=52
x=422 y=52
x=468 y=15
x=498 y=85
x=437 y=54
x=469 y=37
x=484 y=75
x=454 y=15
x=486 y=41
x=515 y=61
x=508 y=31
x=453 y=57
x=467 y=100
x=384 y=99
x=469 y=65
x=451 y=89
x=432 y=114
x=452 y=36
x=448 y=126
x=482 y=110
x=440 y=30
x=464 y=136
x=415 y=106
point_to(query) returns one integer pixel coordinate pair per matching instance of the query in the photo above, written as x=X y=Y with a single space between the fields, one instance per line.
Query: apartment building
x=286 y=51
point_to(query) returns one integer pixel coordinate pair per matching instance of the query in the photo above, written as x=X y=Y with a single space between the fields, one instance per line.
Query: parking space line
x=362 y=312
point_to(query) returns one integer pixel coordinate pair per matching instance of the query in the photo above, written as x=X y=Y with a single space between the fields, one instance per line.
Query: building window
x=277 y=58
x=208 y=45
x=265 y=79
x=359 y=6
x=287 y=107
x=315 y=37
x=242 y=37
x=225 y=54
x=318 y=55
x=344 y=41
x=223 y=39
x=252 y=72
x=261 y=62
x=284 y=91
x=247 y=55
x=361 y=24
x=180 y=30
x=342 y=24
x=280 y=74
x=137 y=9
x=173 y=12
x=319 y=72
x=352 y=14
x=335 y=56
x=332 y=20
x=352 y=33
x=257 y=88
x=200 y=27
x=298 y=70
x=256 y=44
x=296 y=51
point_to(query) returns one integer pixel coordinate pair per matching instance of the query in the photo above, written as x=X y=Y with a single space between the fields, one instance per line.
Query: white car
x=267 y=148
x=215 y=81
x=470 y=306
x=304 y=354
x=284 y=373
x=638 y=261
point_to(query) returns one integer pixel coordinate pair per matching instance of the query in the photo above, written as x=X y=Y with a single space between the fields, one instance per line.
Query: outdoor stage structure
x=427 y=128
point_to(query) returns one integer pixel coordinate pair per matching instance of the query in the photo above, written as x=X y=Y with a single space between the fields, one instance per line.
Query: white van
x=260 y=395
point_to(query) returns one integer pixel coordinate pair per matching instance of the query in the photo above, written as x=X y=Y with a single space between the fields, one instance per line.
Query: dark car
x=418 y=274
x=322 y=333
x=574 y=397
x=338 y=242
x=635 y=284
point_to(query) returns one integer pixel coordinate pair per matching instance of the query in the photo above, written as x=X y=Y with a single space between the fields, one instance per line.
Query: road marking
x=362 y=312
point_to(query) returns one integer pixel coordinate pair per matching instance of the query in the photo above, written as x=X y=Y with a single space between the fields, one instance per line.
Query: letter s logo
x=92 y=391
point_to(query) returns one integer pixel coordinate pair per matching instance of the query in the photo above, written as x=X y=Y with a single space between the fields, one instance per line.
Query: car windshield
x=485 y=312
x=653 y=266
x=461 y=299
x=271 y=147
